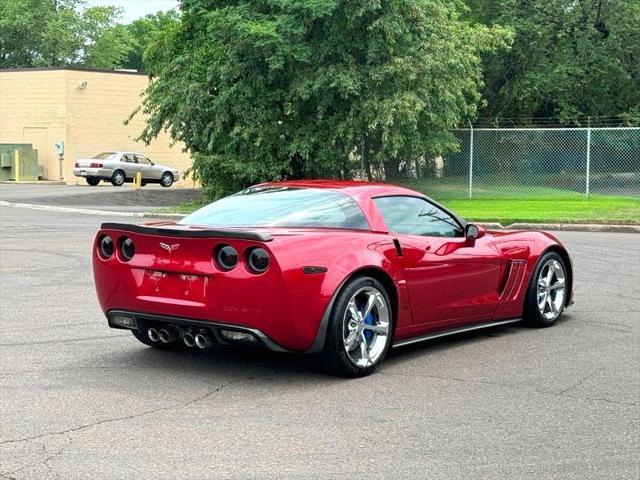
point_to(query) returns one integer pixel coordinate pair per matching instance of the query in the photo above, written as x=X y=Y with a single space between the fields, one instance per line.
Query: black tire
x=334 y=357
x=167 y=179
x=141 y=336
x=143 y=184
x=532 y=315
x=93 y=181
x=118 y=178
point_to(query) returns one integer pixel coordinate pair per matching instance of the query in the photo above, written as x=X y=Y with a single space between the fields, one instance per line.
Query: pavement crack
x=524 y=387
x=128 y=417
x=579 y=382
x=68 y=340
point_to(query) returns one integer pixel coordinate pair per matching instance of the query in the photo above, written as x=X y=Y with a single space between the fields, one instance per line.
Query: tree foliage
x=263 y=90
x=147 y=33
x=45 y=33
x=570 y=58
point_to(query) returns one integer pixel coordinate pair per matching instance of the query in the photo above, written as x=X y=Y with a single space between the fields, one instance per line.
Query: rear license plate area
x=181 y=286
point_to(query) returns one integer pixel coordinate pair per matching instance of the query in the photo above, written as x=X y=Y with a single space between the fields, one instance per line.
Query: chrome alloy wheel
x=366 y=326
x=551 y=289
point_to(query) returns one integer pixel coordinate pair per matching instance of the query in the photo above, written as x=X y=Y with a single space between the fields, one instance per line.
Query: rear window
x=282 y=207
x=104 y=155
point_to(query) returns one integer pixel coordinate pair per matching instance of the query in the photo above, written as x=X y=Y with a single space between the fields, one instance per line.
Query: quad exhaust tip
x=203 y=340
x=153 y=335
x=167 y=335
x=189 y=340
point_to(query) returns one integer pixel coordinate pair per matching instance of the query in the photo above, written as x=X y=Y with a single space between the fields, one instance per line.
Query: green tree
x=146 y=32
x=43 y=33
x=263 y=90
x=570 y=58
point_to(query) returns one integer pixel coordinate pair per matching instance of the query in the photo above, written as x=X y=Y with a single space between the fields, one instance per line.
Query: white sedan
x=121 y=167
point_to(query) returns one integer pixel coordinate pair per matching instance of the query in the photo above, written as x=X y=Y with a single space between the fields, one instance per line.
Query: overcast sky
x=133 y=9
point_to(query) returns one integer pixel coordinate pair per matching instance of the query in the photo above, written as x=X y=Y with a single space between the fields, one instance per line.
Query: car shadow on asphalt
x=460 y=340
x=259 y=362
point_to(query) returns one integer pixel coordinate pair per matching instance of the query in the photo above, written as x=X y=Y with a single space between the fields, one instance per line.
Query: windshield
x=104 y=155
x=282 y=207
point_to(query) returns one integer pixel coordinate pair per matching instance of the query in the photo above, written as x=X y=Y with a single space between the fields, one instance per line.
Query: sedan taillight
x=95 y=165
x=77 y=165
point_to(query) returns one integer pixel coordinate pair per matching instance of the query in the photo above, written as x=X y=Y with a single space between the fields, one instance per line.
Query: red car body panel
x=435 y=283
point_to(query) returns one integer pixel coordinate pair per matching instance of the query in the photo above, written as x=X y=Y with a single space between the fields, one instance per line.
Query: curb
x=565 y=227
x=88 y=211
x=33 y=182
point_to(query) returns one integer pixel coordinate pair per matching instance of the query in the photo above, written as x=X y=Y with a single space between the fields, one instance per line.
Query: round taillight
x=226 y=257
x=105 y=247
x=127 y=248
x=258 y=260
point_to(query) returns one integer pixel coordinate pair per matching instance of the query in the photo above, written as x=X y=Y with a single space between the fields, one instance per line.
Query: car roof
x=353 y=188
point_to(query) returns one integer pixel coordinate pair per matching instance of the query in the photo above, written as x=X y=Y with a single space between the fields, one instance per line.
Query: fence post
x=362 y=177
x=588 y=156
x=471 y=161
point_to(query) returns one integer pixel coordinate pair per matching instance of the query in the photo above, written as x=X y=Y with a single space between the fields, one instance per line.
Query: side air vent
x=512 y=282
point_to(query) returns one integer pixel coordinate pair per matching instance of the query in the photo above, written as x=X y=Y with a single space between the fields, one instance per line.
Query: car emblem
x=169 y=248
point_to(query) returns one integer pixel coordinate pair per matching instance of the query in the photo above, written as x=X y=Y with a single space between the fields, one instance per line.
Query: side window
x=416 y=216
x=128 y=158
x=143 y=160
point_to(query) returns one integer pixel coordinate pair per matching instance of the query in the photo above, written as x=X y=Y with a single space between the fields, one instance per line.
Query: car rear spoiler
x=188 y=232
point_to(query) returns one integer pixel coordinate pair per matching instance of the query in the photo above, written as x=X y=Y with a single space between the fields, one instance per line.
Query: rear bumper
x=93 y=172
x=146 y=320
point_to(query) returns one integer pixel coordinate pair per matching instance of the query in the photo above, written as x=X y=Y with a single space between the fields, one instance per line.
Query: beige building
x=85 y=109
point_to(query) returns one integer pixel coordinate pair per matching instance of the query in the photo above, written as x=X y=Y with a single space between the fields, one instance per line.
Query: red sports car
x=341 y=269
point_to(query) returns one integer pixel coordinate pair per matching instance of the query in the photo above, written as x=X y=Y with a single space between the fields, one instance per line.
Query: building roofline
x=72 y=69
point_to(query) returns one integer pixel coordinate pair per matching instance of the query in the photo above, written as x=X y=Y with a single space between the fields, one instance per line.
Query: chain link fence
x=530 y=163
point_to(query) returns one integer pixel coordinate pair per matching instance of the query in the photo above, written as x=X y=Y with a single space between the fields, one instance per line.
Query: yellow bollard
x=137 y=181
x=16 y=165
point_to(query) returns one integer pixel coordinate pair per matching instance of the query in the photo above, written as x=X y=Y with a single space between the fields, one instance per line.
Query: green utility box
x=27 y=162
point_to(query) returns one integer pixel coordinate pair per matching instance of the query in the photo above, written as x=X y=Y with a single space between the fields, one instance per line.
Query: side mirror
x=472 y=233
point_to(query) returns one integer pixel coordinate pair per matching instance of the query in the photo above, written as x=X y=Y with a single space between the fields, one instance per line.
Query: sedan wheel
x=359 y=330
x=547 y=294
x=118 y=178
x=166 y=180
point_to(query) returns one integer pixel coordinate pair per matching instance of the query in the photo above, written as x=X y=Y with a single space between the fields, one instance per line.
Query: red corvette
x=342 y=269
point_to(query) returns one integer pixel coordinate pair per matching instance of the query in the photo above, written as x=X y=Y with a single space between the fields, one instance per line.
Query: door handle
x=427 y=248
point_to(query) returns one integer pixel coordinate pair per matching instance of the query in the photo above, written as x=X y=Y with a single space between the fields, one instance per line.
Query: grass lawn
x=611 y=210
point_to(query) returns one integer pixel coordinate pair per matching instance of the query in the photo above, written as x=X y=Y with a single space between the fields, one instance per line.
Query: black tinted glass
x=282 y=207
x=415 y=216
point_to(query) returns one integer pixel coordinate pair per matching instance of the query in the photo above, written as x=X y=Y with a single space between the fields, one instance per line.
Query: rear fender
x=378 y=260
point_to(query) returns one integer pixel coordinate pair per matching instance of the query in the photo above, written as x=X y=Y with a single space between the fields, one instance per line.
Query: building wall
x=32 y=110
x=42 y=107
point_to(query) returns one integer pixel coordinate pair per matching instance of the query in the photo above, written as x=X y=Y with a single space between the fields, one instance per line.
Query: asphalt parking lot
x=103 y=197
x=79 y=400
